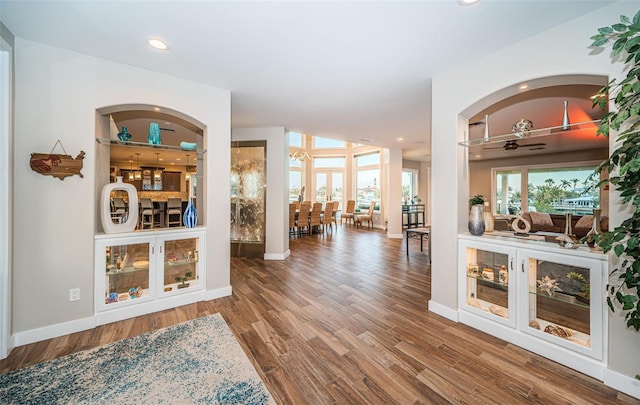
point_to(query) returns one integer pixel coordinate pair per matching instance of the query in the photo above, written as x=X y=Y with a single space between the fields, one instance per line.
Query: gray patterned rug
x=195 y=362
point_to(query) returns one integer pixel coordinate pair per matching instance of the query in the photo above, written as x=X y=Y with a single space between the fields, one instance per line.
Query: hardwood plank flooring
x=344 y=320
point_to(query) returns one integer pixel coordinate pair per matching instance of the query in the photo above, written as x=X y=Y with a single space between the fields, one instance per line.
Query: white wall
x=277 y=204
x=560 y=51
x=57 y=95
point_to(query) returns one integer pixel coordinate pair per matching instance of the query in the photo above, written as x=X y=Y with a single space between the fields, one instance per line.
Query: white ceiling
x=343 y=70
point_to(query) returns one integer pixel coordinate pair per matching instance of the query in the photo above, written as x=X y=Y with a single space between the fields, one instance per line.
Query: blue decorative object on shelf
x=190 y=216
x=188 y=145
x=154 y=134
x=123 y=135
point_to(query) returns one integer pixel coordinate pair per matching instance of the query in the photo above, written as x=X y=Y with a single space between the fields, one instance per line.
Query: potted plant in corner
x=183 y=280
x=623 y=164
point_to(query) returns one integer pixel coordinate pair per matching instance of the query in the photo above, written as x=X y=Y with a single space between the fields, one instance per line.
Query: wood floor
x=344 y=320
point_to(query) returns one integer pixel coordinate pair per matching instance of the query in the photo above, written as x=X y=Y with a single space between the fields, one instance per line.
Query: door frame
x=6 y=161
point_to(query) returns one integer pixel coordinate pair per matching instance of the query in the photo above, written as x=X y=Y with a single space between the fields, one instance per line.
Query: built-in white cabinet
x=143 y=272
x=537 y=295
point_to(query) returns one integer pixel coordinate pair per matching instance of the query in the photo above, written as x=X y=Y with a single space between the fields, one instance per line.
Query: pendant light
x=486 y=128
x=138 y=173
x=566 y=125
x=157 y=176
x=131 y=168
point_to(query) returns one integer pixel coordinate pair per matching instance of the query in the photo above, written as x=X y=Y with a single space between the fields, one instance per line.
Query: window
x=409 y=184
x=295 y=179
x=555 y=190
x=368 y=180
x=295 y=139
x=326 y=143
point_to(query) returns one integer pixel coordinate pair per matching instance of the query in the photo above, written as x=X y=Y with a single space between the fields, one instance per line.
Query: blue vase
x=154 y=134
x=190 y=216
x=123 y=135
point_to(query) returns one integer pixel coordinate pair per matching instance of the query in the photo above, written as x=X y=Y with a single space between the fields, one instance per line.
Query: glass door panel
x=559 y=300
x=127 y=272
x=181 y=258
x=321 y=187
x=336 y=187
x=488 y=281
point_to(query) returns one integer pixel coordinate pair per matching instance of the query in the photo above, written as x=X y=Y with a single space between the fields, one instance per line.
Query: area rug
x=195 y=362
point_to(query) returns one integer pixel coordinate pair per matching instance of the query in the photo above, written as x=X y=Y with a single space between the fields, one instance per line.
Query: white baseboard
x=277 y=256
x=78 y=325
x=217 y=293
x=395 y=235
x=436 y=308
x=51 y=331
x=622 y=383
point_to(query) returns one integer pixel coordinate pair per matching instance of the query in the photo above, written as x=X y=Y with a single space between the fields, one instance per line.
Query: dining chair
x=336 y=207
x=327 y=216
x=314 y=219
x=303 y=218
x=366 y=217
x=349 y=212
x=292 y=219
x=174 y=208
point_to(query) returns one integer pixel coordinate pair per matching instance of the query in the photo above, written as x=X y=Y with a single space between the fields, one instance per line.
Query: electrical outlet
x=74 y=294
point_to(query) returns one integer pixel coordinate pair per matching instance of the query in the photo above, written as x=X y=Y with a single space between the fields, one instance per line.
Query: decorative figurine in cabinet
x=487 y=285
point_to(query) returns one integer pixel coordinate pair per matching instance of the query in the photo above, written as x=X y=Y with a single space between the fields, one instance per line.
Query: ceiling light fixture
x=400 y=139
x=299 y=155
x=131 y=176
x=366 y=139
x=467 y=2
x=157 y=43
x=138 y=173
x=524 y=87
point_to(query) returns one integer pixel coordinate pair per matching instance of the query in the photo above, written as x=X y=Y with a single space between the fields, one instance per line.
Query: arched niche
x=180 y=127
x=544 y=95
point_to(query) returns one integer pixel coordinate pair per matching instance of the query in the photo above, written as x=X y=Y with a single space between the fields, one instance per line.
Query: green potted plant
x=476 y=199
x=183 y=280
x=623 y=163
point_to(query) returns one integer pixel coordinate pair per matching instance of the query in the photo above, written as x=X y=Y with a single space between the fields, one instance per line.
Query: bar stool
x=174 y=208
x=147 y=213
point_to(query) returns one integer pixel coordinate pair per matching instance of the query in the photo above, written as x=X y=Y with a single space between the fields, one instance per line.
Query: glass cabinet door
x=181 y=264
x=126 y=272
x=559 y=304
x=488 y=285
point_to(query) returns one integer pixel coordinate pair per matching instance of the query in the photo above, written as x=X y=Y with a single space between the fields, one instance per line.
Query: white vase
x=108 y=226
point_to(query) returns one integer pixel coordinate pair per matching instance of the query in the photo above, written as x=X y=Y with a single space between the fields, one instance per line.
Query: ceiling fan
x=513 y=145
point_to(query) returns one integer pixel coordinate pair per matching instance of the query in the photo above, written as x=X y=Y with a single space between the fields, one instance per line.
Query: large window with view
x=555 y=190
x=368 y=180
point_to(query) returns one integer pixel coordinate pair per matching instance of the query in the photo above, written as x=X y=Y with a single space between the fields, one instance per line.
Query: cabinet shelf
x=564 y=298
x=107 y=141
x=179 y=262
x=489 y=283
x=534 y=133
x=125 y=270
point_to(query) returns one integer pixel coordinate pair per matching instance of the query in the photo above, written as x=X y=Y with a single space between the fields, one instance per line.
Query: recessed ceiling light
x=177 y=158
x=158 y=43
x=468 y=2
x=400 y=139
x=156 y=108
x=161 y=159
x=524 y=87
x=366 y=139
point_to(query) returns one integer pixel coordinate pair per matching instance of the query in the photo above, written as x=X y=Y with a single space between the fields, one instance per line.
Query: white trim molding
x=442 y=310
